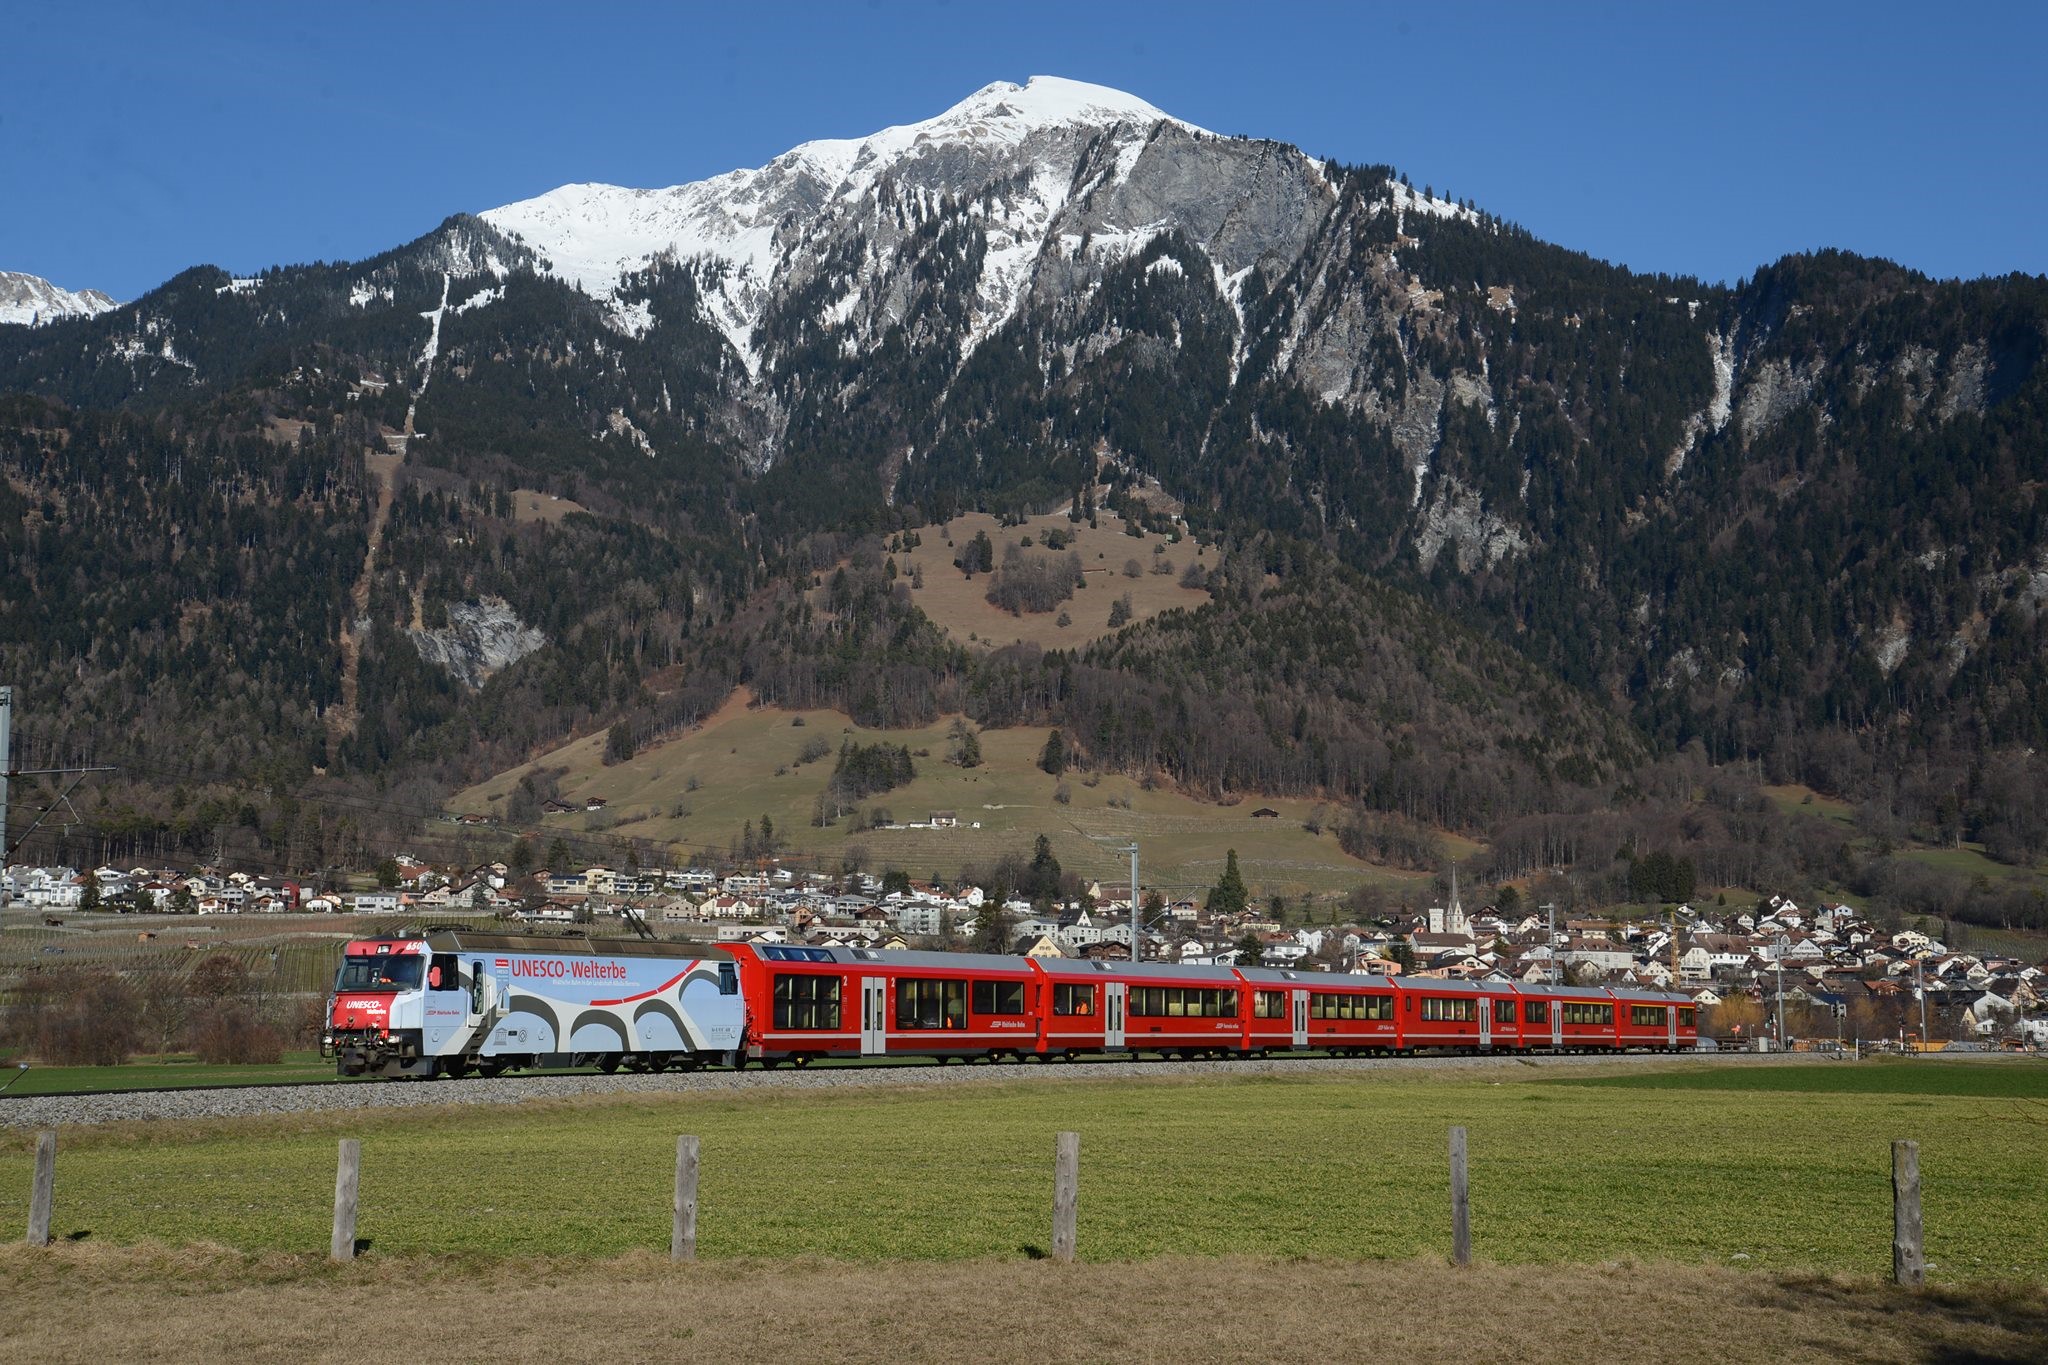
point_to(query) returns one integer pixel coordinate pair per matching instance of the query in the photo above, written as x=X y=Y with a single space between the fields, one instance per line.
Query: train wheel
x=609 y=1065
x=800 y=1061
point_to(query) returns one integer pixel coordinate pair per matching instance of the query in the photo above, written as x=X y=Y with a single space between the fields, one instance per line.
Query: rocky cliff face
x=480 y=638
x=30 y=301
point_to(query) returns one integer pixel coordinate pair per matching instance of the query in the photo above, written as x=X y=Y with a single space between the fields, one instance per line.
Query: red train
x=807 y=1002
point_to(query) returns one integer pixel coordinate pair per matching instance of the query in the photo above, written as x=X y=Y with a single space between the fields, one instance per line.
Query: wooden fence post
x=45 y=1189
x=682 y=1237
x=1066 y=1194
x=341 y=1245
x=1461 y=1205
x=1909 y=1265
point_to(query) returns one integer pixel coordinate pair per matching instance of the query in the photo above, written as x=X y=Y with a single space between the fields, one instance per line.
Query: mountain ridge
x=30 y=300
x=1751 y=518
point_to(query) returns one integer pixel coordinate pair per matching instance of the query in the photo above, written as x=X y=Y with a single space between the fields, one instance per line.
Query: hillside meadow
x=694 y=793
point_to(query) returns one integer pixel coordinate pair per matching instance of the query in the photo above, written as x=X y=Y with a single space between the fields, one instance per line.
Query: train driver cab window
x=728 y=979
x=444 y=973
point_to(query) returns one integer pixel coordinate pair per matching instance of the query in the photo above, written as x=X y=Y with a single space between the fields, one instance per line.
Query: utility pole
x=1137 y=916
x=1920 y=989
x=6 y=766
x=1550 y=930
x=1780 y=965
x=7 y=770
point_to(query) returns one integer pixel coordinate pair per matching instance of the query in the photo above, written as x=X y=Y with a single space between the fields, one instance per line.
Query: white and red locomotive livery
x=458 y=1002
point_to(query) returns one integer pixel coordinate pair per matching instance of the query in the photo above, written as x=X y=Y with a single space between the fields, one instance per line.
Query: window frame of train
x=1449 y=1009
x=992 y=996
x=1688 y=1016
x=795 y=995
x=1588 y=1013
x=1182 y=1002
x=913 y=992
x=1535 y=1011
x=1074 y=999
x=1649 y=1016
x=1349 y=1005
x=1269 y=1004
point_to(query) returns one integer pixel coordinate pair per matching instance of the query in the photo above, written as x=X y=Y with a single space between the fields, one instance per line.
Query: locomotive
x=457 y=1003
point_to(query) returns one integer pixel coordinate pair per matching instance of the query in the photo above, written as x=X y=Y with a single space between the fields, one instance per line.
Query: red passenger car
x=805 y=1002
x=1332 y=1011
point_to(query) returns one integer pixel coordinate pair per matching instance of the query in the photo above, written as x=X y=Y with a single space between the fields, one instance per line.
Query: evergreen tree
x=1053 y=757
x=1228 y=896
x=1250 y=952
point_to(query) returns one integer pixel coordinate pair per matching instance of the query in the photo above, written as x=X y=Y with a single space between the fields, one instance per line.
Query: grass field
x=1789 y=1175
x=176 y=1072
x=743 y=762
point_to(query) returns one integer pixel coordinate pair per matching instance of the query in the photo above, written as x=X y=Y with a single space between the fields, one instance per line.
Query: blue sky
x=137 y=140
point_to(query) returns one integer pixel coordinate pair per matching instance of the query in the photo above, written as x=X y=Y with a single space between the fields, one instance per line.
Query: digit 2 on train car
x=462 y=1002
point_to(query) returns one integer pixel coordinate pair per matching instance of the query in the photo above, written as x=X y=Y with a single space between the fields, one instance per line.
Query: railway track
x=290 y=1097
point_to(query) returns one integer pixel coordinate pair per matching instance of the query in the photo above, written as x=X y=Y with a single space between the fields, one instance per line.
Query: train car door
x=1485 y=1021
x=1114 y=997
x=874 y=1016
x=1300 y=1018
x=1556 y=1023
x=1671 y=1026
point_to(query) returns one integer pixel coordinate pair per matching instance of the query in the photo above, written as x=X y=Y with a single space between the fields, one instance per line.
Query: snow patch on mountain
x=31 y=301
x=750 y=224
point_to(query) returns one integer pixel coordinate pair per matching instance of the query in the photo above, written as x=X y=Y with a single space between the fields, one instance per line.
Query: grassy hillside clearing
x=743 y=763
x=959 y=604
x=1352 y=1169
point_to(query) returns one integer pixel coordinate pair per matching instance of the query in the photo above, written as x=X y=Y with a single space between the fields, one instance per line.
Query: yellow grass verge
x=89 y=1303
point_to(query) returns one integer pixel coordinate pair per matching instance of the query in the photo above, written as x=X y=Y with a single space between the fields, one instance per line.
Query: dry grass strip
x=88 y=1303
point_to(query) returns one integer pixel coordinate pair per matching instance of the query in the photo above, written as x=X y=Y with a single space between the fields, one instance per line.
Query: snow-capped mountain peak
x=754 y=223
x=30 y=300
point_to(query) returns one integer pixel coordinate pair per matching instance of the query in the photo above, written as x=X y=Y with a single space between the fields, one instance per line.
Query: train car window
x=1377 y=1007
x=476 y=988
x=1577 y=1012
x=1646 y=1016
x=1535 y=1011
x=998 y=997
x=1688 y=1017
x=806 y=1001
x=1456 y=1010
x=1187 y=1002
x=1503 y=1011
x=728 y=979
x=1073 y=997
x=1269 y=1004
x=930 y=1004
